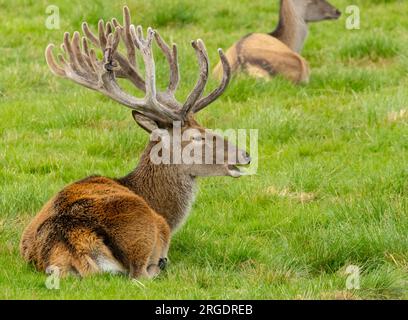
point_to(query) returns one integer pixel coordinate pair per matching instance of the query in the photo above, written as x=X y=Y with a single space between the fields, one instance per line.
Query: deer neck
x=292 y=29
x=165 y=188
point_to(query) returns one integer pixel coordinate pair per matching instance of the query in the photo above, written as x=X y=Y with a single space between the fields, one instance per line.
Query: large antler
x=83 y=67
x=128 y=66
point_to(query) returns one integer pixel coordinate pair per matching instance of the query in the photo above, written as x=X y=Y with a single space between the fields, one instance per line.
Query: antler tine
x=126 y=37
x=66 y=46
x=87 y=55
x=102 y=34
x=109 y=28
x=202 y=58
x=88 y=33
x=145 y=48
x=49 y=57
x=172 y=58
x=127 y=21
x=76 y=49
x=203 y=102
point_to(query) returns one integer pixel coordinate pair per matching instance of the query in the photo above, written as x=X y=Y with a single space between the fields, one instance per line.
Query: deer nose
x=338 y=12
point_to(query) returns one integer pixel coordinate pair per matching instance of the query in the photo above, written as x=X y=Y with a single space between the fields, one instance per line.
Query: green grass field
x=332 y=185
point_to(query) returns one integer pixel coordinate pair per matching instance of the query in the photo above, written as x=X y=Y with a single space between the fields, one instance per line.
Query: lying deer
x=265 y=55
x=124 y=225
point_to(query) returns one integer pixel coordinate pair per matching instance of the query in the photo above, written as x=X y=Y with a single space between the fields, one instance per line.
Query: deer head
x=158 y=112
x=316 y=10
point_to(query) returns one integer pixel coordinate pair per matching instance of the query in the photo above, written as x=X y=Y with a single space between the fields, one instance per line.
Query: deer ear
x=144 y=122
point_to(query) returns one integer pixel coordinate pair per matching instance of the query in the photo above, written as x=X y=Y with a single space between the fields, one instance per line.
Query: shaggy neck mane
x=292 y=29
x=167 y=190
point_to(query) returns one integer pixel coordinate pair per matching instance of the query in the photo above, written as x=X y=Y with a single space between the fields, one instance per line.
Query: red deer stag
x=124 y=225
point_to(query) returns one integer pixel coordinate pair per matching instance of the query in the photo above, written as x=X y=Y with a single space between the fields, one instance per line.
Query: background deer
x=265 y=55
x=124 y=225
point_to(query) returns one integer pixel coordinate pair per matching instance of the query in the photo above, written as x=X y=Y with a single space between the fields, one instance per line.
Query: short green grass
x=332 y=185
